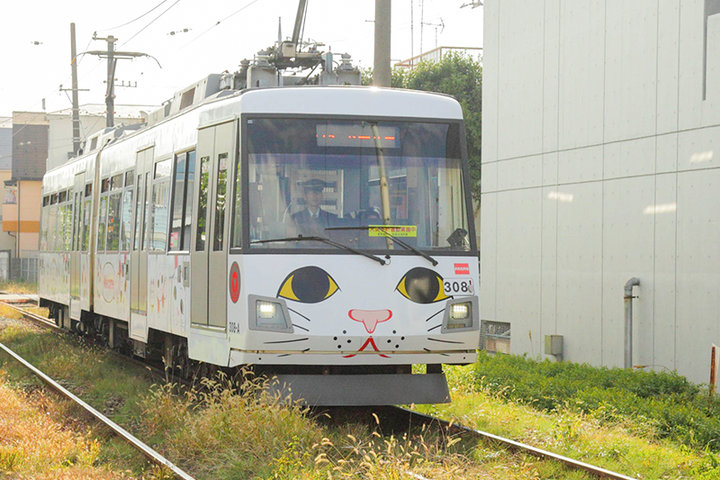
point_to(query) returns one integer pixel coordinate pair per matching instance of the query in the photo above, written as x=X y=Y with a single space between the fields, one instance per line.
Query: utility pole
x=74 y=90
x=412 y=34
x=75 y=104
x=113 y=56
x=381 y=68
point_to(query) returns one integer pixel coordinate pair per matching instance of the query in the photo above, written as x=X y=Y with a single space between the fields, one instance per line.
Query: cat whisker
x=301 y=328
x=298 y=313
x=436 y=326
x=434 y=314
x=289 y=341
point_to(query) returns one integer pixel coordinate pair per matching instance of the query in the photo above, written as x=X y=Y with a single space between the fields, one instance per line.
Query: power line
x=222 y=20
x=151 y=22
x=137 y=18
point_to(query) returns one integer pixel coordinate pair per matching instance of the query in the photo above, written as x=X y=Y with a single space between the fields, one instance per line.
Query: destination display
x=356 y=135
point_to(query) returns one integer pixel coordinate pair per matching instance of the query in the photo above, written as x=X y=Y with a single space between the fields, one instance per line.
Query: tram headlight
x=459 y=311
x=461 y=314
x=270 y=314
x=266 y=310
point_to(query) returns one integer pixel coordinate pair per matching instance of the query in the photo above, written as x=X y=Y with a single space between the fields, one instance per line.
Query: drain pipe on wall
x=633 y=282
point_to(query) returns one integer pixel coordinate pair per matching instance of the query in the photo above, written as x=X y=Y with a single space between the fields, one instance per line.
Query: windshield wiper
x=391 y=237
x=327 y=241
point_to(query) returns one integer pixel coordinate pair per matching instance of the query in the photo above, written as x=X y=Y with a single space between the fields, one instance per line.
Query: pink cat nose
x=370 y=318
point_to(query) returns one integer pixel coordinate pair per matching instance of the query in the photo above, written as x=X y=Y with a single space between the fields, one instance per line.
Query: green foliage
x=459 y=76
x=674 y=407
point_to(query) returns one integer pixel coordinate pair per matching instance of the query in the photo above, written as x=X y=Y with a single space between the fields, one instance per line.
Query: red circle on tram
x=234 y=282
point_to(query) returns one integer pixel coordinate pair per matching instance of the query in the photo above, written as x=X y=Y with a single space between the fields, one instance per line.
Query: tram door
x=208 y=257
x=138 y=254
x=75 y=250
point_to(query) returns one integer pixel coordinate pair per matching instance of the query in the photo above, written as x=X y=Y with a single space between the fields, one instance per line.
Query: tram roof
x=339 y=100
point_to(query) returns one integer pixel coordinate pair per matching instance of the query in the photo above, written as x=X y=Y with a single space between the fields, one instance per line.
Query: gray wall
x=5 y=147
x=601 y=161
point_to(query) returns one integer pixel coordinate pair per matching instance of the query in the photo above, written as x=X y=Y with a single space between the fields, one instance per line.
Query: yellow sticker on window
x=394 y=230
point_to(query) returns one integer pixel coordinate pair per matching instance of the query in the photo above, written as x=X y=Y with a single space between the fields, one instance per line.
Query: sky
x=35 y=41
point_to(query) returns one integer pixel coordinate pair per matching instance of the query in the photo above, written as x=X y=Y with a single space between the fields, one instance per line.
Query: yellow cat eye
x=308 y=285
x=422 y=285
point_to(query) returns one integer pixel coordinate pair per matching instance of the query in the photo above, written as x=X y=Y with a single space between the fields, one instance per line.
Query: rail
x=395 y=414
x=389 y=415
x=146 y=450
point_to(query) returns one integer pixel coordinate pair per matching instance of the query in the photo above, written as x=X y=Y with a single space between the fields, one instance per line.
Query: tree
x=461 y=77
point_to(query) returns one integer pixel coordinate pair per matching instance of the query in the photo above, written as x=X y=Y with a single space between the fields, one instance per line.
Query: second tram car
x=323 y=234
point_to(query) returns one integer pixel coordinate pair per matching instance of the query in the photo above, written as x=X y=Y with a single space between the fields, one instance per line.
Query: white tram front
x=321 y=234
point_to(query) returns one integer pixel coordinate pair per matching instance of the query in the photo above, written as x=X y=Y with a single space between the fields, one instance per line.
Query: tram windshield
x=355 y=182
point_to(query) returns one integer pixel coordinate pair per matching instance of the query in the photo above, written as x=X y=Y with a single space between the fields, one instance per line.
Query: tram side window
x=101 y=224
x=237 y=208
x=160 y=200
x=202 y=204
x=76 y=222
x=138 y=214
x=126 y=219
x=44 y=223
x=187 y=224
x=67 y=224
x=86 y=212
x=64 y=226
x=51 y=234
x=182 y=201
x=220 y=201
x=113 y=222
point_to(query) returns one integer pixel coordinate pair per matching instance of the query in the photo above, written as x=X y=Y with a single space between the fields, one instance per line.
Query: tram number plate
x=458 y=286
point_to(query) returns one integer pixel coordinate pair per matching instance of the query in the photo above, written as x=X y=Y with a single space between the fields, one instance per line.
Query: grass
x=18 y=287
x=224 y=431
x=34 y=445
x=216 y=433
x=669 y=403
x=220 y=434
x=86 y=371
x=626 y=443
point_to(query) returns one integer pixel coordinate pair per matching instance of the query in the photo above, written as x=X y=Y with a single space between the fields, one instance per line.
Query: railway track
x=391 y=418
x=403 y=418
x=143 y=448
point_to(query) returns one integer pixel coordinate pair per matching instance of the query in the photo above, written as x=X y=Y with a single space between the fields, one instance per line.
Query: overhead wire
x=135 y=19
x=151 y=22
x=222 y=20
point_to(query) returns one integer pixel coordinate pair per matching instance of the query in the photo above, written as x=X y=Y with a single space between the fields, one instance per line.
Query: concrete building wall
x=5 y=143
x=601 y=161
x=60 y=132
x=29 y=145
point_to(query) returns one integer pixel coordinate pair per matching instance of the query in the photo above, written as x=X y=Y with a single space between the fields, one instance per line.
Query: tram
x=322 y=234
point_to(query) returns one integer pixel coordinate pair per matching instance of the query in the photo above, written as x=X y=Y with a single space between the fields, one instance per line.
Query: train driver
x=313 y=220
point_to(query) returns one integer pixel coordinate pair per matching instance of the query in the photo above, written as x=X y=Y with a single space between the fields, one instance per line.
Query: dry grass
x=42 y=311
x=33 y=445
x=18 y=287
x=9 y=312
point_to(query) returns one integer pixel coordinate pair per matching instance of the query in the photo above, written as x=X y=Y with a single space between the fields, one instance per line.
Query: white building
x=92 y=119
x=601 y=162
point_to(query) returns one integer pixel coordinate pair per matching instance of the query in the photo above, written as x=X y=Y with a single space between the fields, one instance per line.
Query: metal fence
x=21 y=269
